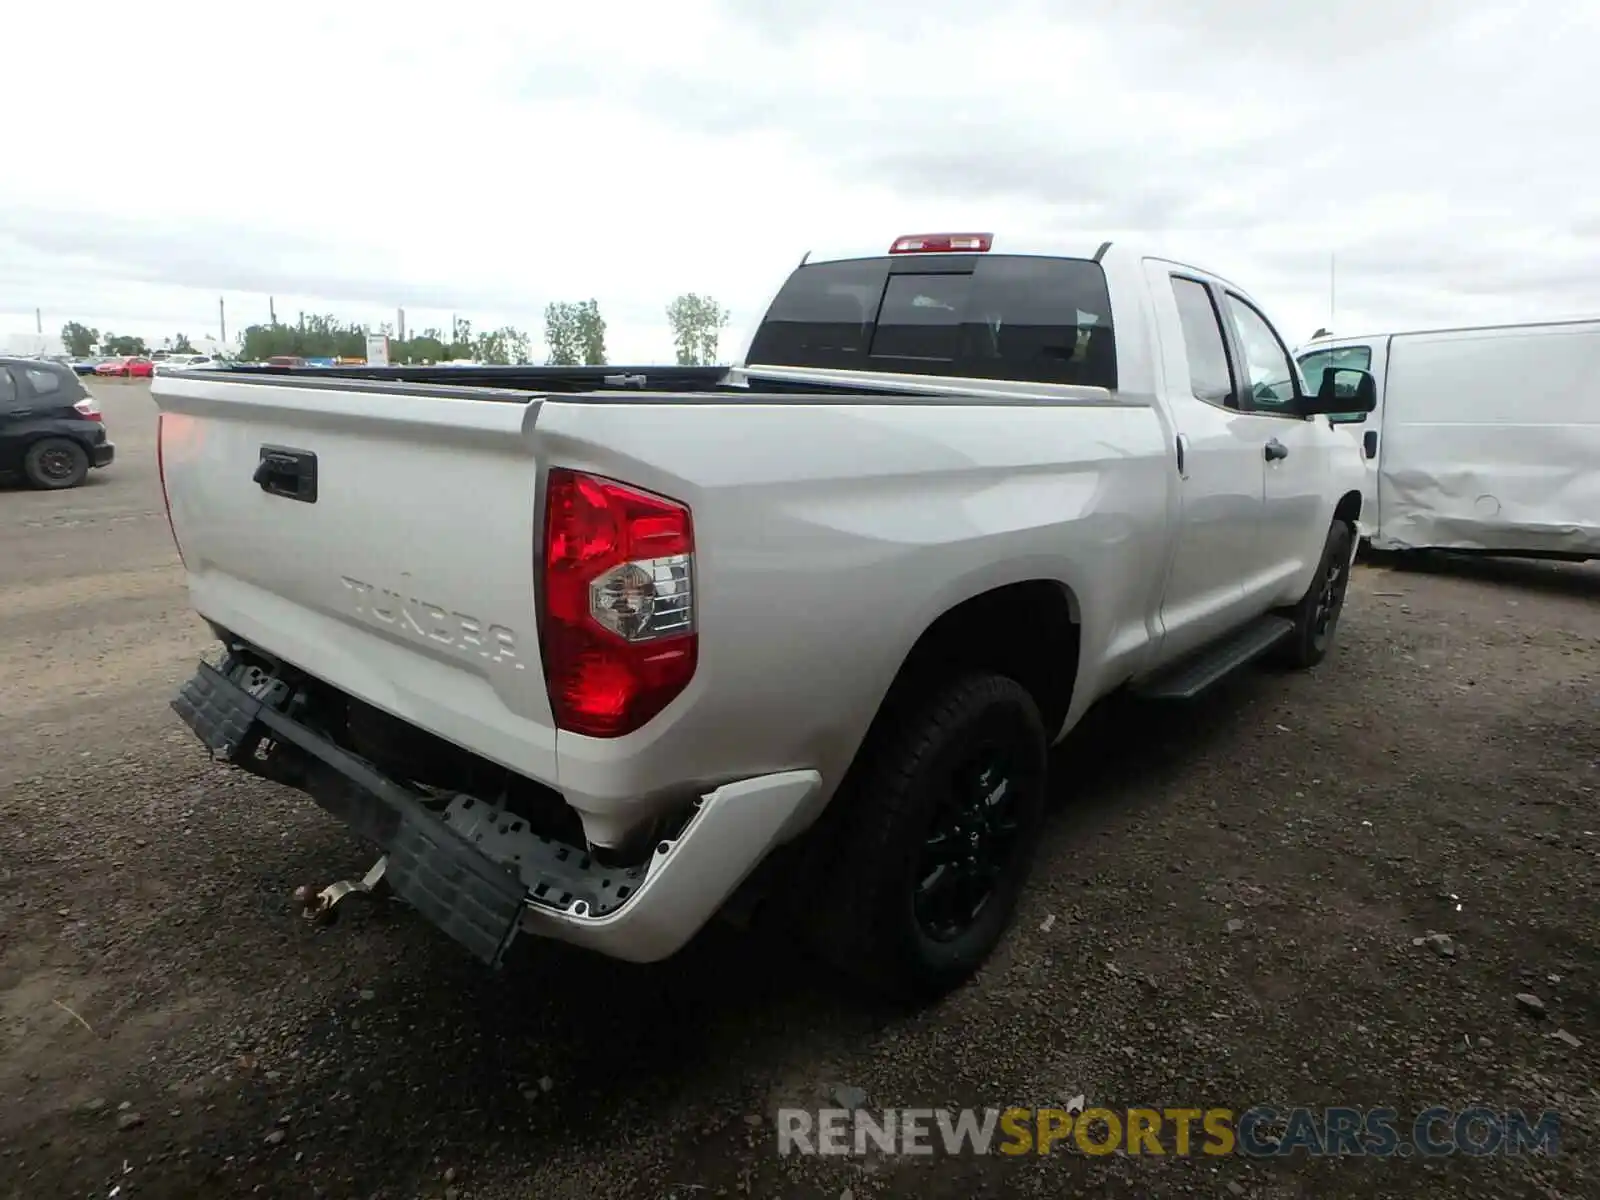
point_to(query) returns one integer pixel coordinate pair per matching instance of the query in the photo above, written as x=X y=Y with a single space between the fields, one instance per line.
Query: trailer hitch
x=322 y=907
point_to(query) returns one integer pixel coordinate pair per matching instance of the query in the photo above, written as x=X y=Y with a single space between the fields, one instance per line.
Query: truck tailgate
x=383 y=541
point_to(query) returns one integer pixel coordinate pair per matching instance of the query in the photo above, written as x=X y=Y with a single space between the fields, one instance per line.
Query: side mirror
x=1345 y=394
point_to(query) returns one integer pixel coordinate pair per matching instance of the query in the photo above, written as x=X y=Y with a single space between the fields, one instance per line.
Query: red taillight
x=161 y=474
x=618 y=636
x=942 y=243
x=88 y=409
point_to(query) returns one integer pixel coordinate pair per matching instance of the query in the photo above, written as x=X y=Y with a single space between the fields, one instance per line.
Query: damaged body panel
x=1483 y=440
x=477 y=870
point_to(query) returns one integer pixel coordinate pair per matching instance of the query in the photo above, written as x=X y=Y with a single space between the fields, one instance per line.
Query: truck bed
x=666 y=385
x=521 y=377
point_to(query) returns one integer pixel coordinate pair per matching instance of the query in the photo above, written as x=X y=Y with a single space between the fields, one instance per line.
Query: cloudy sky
x=485 y=158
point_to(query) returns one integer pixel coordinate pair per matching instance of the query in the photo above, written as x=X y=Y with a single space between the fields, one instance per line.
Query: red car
x=136 y=367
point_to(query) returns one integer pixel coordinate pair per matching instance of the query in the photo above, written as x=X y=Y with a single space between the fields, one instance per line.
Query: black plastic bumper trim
x=443 y=876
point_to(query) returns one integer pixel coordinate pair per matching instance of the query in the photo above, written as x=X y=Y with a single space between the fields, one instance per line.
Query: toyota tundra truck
x=596 y=656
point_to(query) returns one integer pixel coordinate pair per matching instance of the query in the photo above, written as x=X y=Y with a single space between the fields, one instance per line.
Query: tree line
x=574 y=335
x=82 y=341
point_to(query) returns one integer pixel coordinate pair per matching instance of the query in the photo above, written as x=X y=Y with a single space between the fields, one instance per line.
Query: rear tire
x=1316 y=617
x=55 y=463
x=935 y=839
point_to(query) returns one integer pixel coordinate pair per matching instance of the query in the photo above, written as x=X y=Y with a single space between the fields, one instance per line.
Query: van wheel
x=939 y=820
x=1316 y=617
x=54 y=463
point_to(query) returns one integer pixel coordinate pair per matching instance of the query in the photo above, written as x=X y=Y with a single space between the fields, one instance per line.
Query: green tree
x=79 y=340
x=592 y=333
x=425 y=347
x=182 y=345
x=317 y=336
x=503 y=346
x=460 y=340
x=575 y=332
x=314 y=336
x=112 y=344
x=562 y=338
x=697 y=324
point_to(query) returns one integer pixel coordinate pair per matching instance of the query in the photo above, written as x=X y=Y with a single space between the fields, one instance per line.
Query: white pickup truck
x=596 y=663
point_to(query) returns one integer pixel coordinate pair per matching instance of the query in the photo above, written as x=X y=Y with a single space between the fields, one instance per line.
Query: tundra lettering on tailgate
x=420 y=619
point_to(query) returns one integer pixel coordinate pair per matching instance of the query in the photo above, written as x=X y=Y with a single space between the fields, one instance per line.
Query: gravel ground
x=1225 y=912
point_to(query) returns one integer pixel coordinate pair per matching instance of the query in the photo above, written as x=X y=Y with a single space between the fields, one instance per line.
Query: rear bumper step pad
x=441 y=874
x=479 y=872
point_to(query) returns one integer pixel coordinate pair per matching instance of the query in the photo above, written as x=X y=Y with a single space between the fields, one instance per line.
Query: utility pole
x=400 y=324
x=222 y=319
x=1333 y=290
x=272 y=312
x=38 y=321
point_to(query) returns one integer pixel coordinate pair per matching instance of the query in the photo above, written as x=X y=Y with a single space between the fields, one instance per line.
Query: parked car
x=1483 y=439
x=126 y=367
x=51 y=430
x=803 y=632
x=86 y=365
x=186 y=362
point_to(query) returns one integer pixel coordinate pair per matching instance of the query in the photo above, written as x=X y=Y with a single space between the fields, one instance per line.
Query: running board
x=1216 y=662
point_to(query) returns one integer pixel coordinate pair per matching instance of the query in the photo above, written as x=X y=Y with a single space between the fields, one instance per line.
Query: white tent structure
x=215 y=348
x=31 y=345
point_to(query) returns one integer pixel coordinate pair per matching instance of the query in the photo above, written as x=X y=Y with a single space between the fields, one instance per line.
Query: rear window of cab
x=973 y=316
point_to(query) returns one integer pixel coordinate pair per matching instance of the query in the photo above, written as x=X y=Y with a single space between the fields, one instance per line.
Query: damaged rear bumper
x=478 y=872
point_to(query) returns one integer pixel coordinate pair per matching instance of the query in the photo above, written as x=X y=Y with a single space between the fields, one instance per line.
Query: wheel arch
x=1348 y=509
x=1028 y=629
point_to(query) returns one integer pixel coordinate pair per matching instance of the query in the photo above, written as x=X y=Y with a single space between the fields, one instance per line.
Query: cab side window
x=1270 y=369
x=8 y=390
x=1210 y=372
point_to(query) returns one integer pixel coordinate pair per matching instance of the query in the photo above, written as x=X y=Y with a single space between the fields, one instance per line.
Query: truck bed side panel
x=830 y=535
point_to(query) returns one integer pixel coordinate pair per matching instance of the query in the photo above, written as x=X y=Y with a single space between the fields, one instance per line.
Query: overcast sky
x=484 y=159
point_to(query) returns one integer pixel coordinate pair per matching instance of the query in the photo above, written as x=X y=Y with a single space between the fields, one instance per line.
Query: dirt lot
x=1224 y=914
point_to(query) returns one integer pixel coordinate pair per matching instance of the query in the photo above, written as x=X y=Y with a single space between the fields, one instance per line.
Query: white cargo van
x=1484 y=439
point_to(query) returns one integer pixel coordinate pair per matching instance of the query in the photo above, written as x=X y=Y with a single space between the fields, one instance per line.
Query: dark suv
x=51 y=429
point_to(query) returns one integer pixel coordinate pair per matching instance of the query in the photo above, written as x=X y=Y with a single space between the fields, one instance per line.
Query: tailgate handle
x=289 y=473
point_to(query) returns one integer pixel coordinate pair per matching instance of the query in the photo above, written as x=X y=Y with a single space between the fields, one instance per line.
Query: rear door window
x=44 y=383
x=1005 y=317
x=58 y=386
x=1210 y=371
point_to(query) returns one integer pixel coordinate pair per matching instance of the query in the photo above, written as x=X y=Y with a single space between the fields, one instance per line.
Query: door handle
x=289 y=473
x=1276 y=450
x=1369 y=442
x=1183 y=450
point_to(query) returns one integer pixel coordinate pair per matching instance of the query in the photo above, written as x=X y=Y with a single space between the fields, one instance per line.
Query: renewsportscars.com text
x=1261 y=1131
